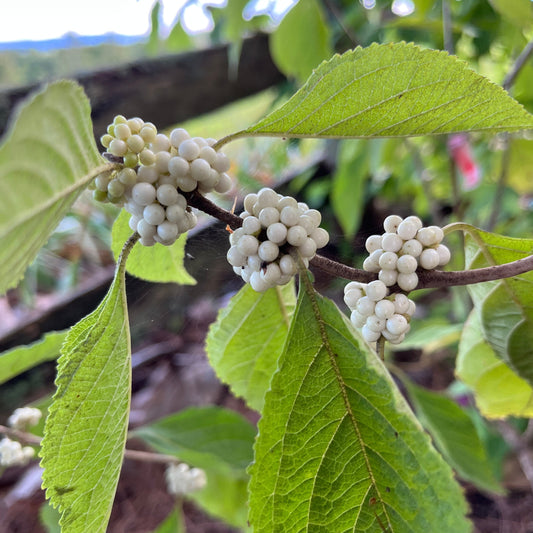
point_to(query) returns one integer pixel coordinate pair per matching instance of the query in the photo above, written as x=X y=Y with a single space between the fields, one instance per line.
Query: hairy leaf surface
x=506 y=305
x=245 y=342
x=498 y=391
x=160 y=264
x=47 y=158
x=85 y=432
x=338 y=448
x=455 y=436
x=393 y=90
x=17 y=360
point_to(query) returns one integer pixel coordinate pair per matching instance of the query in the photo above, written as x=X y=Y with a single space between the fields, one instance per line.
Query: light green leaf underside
x=338 y=448
x=48 y=157
x=393 y=90
x=455 y=436
x=85 y=432
x=245 y=342
x=498 y=391
x=160 y=264
x=207 y=437
x=14 y=362
x=506 y=305
x=293 y=52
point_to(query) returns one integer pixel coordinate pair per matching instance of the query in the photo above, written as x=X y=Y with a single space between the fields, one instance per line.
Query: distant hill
x=72 y=40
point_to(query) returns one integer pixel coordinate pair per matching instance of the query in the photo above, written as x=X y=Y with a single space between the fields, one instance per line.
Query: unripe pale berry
x=391 y=223
x=365 y=306
x=268 y=251
x=429 y=259
x=444 y=254
x=118 y=147
x=412 y=247
x=177 y=136
x=391 y=242
x=145 y=229
x=384 y=309
x=290 y=216
x=143 y=193
x=407 y=282
x=222 y=163
x=407 y=230
x=161 y=161
x=388 y=260
x=352 y=296
x=376 y=324
x=268 y=216
x=154 y=214
x=235 y=257
x=406 y=264
x=208 y=154
x=189 y=150
x=161 y=143
x=200 y=170
x=296 y=235
x=248 y=245
x=373 y=243
x=388 y=277
x=224 y=184
x=397 y=324
x=251 y=225
x=167 y=195
x=148 y=174
x=376 y=290
x=147 y=157
x=277 y=232
x=320 y=236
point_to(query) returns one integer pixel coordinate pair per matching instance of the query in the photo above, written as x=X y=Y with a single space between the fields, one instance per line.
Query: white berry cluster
x=12 y=453
x=377 y=313
x=157 y=170
x=24 y=418
x=405 y=246
x=274 y=229
x=181 y=479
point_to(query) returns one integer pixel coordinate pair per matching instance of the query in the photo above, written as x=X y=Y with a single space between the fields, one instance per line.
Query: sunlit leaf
x=338 y=448
x=293 y=52
x=157 y=263
x=245 y=342
x=498 y=391
x=506 y=305
x=47 y=158
x=393 y=90
x=22 y=358
x=85 y=432
x=455 y=436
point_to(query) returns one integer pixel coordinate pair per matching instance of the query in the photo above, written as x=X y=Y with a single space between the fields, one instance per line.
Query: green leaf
x=152 y=45
x=85 y=432
x=293 y=52
x=521 y=163
x=173 y=523
x=455 y=436
x=347 y=190
x=518 y=12
x=224 y=497
x=393 y=90
x=506 y=305
x=338 y=448
x=161 y=264
x=49 y=518
x=206 y=437
x=432 y=336
x=17 y=360
x=49 y=155
x=245 y=342
x=498 y=391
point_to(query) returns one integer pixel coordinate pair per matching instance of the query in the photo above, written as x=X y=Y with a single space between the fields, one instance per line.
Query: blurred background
x=215 y=67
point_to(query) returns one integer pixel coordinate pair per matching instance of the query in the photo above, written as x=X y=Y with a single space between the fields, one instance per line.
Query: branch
x=427 y=279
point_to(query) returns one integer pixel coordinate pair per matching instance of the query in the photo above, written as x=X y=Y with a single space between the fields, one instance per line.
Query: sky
x=48 y=19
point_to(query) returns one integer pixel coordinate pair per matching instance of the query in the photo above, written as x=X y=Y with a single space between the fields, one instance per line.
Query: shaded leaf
x=393 y=90
x=245 y=342
x=292 y=49
x=498 y=391
x=161 y=264
x=338 y=448
x=455 y=436
x=173 y=523
x=518 y=12
x=206 y=437
x=47 y=158
x=347 y=189
x=506 y=305
x=17 y=360
x=85 y=432
x=224 y=497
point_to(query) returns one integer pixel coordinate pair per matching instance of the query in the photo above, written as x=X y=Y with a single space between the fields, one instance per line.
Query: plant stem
x=517 y=67
x=135 y=455
x=426 y=278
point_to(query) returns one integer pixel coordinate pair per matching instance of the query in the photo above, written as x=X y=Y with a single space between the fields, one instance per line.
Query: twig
x=426 y=278
x=338 y=18
x=518 y=65
x=134 y=455
x=447 y=31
